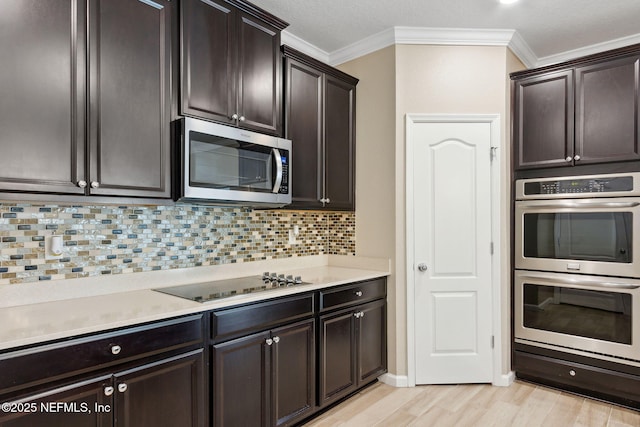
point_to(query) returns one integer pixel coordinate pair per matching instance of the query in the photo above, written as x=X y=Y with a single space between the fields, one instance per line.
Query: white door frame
x=497 y=218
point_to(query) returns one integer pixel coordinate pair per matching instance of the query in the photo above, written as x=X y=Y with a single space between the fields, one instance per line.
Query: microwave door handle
x=584 y=283
x=592 y=205
x=276 y=185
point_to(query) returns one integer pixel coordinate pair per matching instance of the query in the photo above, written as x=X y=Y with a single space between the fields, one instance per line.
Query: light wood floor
x=521 y=404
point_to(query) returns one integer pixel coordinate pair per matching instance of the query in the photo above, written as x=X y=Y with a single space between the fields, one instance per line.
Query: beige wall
x=375 y=172
x=406 y=79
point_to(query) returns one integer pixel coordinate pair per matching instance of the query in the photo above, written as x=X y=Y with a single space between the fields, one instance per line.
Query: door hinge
x=493 y=341
x=493 y=153
x=491 y=248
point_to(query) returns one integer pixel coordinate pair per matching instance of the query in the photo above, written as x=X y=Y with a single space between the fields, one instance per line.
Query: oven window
x=588 y=236
x=224 y=163
x=585 y=313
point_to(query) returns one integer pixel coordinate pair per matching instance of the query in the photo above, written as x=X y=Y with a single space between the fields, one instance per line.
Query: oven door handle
x=276 y=185
x=585 y=283
x=578 y=205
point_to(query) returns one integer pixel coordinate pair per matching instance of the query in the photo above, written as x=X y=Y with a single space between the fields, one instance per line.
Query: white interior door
x=452 y=252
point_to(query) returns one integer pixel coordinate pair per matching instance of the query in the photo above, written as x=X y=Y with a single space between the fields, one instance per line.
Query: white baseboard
x=394 y=380
x=504 y=380
x=403 y=381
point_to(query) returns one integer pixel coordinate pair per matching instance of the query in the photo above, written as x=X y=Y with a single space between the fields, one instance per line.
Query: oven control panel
x=598 y=186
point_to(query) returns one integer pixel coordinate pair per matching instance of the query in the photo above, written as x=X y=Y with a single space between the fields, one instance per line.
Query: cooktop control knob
x=298 y=280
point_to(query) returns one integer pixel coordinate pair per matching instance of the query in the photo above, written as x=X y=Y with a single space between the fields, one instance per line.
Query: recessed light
x=508 y=1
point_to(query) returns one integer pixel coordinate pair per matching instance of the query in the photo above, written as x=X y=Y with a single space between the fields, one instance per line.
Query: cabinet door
x=82 y=404
x=303 y=121
x=208 y=60
x=372 y=341
x=42 y=106
x=607 y=113
x=339 y=148
x=130 y=74
x=543 y=121
x=165 y=393
x=241 y=382
x=338 y=376
x=294 y=371
x=259 y=72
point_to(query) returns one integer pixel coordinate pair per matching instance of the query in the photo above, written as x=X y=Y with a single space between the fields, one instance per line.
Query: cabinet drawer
x=58 y=360
x=593 y=381
x=244 y=320
x=357 y=293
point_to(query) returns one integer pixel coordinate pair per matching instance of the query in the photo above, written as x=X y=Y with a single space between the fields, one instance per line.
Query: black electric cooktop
x=215 y=290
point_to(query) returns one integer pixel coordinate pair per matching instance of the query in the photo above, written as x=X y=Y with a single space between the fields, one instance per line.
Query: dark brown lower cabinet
x=269 y=365
x=353 y=349
x=169 y=392
x=165 y=393
x=600 y=379
x=372 y=342
x=148 y=375
x=265 y=379
x=43 y=409
x=294 y=372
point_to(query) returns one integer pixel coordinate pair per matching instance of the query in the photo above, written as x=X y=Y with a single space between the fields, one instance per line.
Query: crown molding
x=451 y=36
x=436 y=36
x=521 y=49
x=360 y=48
x=587 y=50
x=304 y=47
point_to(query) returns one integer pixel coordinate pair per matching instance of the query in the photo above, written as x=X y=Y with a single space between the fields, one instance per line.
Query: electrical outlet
x=53 y=246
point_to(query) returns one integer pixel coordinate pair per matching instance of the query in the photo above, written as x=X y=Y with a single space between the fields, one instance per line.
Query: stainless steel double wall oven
x=577 y=260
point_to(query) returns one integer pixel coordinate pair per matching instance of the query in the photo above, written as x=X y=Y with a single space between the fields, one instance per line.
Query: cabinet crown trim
x=259 y=13
x=292 y=53
x=585 y=60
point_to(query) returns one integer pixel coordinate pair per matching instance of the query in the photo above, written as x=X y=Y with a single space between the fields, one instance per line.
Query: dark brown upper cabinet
x=320 y=120
x=86 y=99
x=607 y=113
x=130 y=97
x=543 y=120
x=231 y=68
x=42 y=107
x=582 y=112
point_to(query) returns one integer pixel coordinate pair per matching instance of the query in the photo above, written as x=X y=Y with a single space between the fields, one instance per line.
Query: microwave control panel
x=284 y=185
x=582 y=186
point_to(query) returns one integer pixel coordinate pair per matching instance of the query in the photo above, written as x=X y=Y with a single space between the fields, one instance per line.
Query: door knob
x=422 y=267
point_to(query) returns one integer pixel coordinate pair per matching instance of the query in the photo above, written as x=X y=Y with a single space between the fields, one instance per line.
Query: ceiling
x=549 y=30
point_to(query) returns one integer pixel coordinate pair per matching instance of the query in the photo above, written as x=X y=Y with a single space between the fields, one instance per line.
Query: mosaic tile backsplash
x=113 y=240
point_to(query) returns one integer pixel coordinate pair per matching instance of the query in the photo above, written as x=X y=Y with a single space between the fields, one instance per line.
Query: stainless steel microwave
x=219 y=164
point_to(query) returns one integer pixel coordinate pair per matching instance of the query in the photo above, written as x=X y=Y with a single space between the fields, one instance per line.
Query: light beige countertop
x=35 y=313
